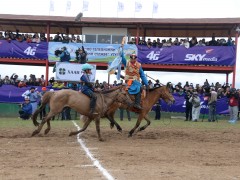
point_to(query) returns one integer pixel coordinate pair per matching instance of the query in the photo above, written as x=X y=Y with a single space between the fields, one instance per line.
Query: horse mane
x=152 y=89
x=109 y=90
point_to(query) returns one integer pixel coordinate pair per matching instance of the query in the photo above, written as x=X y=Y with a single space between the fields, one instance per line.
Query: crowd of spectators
x=38 y=37
x=22 y=82
x=187 y=43
x=66 y=38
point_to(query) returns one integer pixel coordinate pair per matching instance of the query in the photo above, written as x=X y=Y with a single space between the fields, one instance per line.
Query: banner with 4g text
x=24 y=50
x=205 y=55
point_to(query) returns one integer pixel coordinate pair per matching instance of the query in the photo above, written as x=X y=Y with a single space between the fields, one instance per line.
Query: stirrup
x=137 y=106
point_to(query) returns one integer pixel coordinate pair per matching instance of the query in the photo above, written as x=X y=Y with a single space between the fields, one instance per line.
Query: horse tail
x=45 y=100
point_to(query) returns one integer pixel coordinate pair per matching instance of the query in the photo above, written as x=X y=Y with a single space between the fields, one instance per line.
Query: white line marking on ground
x=89 y=154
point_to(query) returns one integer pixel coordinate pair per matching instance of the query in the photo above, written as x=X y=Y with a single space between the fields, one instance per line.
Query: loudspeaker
x=79 y=16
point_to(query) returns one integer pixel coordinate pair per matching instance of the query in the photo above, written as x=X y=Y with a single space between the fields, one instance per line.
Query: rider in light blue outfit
x=87 y=87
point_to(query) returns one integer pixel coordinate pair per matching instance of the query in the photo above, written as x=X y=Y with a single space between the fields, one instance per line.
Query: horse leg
x=145 y=126
x=113 y=122
x=140 y=117
x=48 y=127
x=97 y=123
x=49 y=116
x=87 y=122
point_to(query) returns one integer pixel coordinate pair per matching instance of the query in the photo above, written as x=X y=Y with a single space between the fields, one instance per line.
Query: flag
x=155 y=8
x=51 y=7
x=138 y=6
x=68 y=6
x=120 y=6
x=85 y=5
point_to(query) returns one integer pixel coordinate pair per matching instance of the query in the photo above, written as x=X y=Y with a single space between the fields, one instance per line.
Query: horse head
x=166 y=95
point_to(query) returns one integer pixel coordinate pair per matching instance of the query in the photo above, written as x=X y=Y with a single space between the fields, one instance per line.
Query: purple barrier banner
x=13 y=94
x=180 y=105
x=23 y=49
x=205 y=55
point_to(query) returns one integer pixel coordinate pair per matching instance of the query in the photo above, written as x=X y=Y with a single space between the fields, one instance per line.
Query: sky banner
x=95 y=52
x=23 y=49
x=205 y=55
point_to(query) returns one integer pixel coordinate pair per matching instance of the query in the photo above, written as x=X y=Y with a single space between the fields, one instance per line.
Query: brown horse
x=80 y=103
x=153 y=95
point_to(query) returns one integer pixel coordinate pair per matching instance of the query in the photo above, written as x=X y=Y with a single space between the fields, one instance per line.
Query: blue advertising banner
x=180 y=105
x=95 y=52
x=15 y=49
x=205 y=55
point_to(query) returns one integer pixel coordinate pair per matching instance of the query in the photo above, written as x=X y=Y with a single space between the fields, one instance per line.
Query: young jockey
x=134 y=73
x=88 y=87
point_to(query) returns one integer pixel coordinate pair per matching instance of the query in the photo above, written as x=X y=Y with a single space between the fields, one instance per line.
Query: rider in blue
x=87 y=87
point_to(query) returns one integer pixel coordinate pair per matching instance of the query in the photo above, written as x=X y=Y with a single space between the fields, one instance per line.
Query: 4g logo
x=30 y=51
x=153 y=56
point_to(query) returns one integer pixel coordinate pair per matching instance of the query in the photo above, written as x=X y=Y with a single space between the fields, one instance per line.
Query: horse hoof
x=129 y=135
x=101 y=139
x=35 y=132
x=46 y=131
x=72 y=133
x=119 y=130
x=111 y=126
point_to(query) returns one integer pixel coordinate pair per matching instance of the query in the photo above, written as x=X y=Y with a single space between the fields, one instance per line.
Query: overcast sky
x=109 y=8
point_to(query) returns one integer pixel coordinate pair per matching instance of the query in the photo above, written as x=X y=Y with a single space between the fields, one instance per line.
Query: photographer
x=188 y=110
x=195 y=100
x=212 y=103
x=81 y=55
x=65 y=55
x=233 y=98
x=26 y=109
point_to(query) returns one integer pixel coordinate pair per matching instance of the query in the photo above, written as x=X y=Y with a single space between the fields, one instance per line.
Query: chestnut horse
x=153 y=95
x=80 y=103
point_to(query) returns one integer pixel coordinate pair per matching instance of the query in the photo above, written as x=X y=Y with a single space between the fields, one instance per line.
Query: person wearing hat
x=196 y=106
x=212 y=103
x=26 y=109
x=87 y=86
x=133 y=74
x=33 y=97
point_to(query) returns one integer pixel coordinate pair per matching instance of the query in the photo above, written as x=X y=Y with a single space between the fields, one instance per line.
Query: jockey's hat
x=133 y=56
x=86 y=67
x=44 y=88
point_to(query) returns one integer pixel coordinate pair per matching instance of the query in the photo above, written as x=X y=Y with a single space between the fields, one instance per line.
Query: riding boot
x=137 y=101
x=93 y=101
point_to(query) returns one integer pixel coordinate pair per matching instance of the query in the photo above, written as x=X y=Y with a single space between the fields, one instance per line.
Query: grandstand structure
x=135 y=27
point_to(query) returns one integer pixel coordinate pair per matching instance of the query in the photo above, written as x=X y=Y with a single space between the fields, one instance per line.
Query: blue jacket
x=87 y=86
x=65 y=56
x=27 y=108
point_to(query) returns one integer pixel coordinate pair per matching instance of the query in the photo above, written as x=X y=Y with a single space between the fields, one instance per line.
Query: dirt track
x=164 y=153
